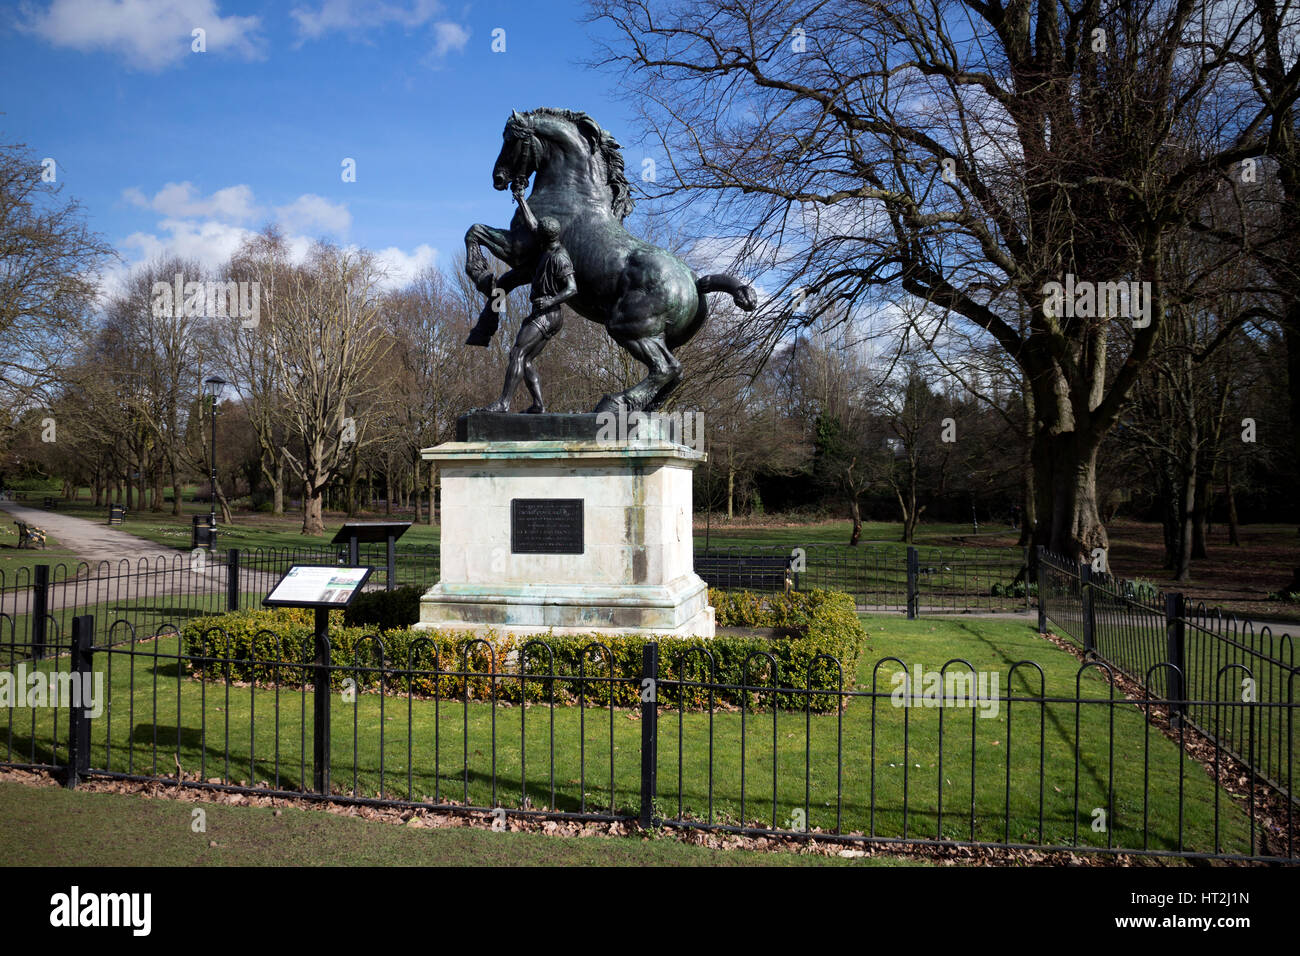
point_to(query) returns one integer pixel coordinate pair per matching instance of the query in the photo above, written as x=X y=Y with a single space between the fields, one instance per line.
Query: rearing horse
x=648 y=299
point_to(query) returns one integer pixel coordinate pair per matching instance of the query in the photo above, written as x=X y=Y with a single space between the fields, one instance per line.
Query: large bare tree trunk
x=1068 y=522
x=312 y=522
x=176 y=490
x=1200 y=515
x=277 y=490
x=224 y=505
x=350 y=490
x=1183 y=570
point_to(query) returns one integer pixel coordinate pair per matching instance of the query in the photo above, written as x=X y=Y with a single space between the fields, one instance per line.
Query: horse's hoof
x=534 y=410
x=610 y=403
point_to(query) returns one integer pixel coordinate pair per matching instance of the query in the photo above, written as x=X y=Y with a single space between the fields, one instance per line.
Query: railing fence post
x=320 y=761
x=232 y=579
x=1174 y=655
x=40 y=609
x=83 y=635
x=1085 y=593
x=392 y=564
x=913 y=586
x=649 y=731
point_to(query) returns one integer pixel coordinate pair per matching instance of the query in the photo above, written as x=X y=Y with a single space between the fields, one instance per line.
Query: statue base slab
x=566 y=535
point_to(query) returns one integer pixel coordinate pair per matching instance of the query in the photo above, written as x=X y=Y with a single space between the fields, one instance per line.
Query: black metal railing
x=1231 y=680
x=1019 y=757
x=37 y=604
x=886 y=577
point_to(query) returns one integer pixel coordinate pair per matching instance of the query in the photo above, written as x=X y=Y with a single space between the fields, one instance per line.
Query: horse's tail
x=742 y=293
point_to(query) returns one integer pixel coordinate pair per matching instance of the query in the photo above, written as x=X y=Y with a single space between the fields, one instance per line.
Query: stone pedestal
x=548 y=527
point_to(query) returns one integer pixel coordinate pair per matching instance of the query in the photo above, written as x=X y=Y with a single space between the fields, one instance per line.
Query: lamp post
x=214 y=387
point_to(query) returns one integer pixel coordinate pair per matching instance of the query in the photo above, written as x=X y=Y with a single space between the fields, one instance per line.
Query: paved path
x=93 y=541
x=96 y=542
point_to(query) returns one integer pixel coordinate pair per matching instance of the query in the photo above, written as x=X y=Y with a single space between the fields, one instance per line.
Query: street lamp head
x=215 y=384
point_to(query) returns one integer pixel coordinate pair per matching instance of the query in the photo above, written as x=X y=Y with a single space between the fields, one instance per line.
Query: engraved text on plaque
x=546 y=526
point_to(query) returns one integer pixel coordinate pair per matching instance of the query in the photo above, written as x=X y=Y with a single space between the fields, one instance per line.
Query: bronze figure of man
x=553 y=285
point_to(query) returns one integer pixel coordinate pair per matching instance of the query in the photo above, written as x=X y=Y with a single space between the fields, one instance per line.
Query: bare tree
x=325 y=343
x=968 y=154
x=246 y=352
x=49 y=278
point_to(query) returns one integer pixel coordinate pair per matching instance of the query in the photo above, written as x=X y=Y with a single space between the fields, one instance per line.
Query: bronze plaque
x=546 y=526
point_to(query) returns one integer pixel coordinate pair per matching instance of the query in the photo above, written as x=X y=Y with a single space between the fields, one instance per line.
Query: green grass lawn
x=891 y=776
x=48 y=826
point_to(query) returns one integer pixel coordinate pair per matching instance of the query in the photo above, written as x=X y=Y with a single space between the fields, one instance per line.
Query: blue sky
x=171 y=150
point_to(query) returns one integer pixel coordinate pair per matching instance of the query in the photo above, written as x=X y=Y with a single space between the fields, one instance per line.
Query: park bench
x=748 y=572
x=51 y=502
x=29 y=535
x=116 y=514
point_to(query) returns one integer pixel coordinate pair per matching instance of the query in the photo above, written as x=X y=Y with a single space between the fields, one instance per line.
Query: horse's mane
x=621 y=202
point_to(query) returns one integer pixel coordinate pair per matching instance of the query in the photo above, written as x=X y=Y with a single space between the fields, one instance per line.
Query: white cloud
x=148 y=35
x=447 y=37
x=358 y=15
x=310 y=213
x=210 y=242
x=182 y=200
x=208 y=229
x=402 y=267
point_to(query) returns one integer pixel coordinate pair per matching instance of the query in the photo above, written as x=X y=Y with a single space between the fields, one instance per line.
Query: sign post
x=322 y=587
x=355 y=533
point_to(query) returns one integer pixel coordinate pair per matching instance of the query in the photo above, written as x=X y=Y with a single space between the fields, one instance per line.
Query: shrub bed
x=276 y=646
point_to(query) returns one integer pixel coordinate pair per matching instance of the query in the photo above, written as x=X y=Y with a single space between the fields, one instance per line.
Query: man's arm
x=529 y=218
x=570 y=284
x=569 y=290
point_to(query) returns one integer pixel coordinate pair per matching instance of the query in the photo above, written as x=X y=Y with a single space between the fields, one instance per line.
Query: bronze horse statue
x=649 y=300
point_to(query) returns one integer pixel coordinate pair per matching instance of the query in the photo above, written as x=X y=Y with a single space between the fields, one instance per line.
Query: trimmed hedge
x=275 y=646
x=386 y=610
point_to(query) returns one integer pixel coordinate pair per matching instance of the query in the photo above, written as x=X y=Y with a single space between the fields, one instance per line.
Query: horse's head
x=520 y=149
x=571 y=143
